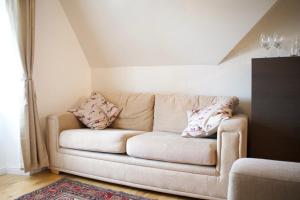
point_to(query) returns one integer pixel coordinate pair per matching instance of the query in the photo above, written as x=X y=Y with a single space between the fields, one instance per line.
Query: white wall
x=166 y=32
x=2 y=153
x=231 y=77
x=61 y=71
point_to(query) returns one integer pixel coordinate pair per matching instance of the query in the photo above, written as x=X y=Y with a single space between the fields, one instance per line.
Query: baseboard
x=20 y=171
x=17 y=171
x=2 y=171
x=12 y=170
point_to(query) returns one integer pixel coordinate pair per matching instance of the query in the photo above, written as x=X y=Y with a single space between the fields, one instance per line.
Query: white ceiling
x=164 y=32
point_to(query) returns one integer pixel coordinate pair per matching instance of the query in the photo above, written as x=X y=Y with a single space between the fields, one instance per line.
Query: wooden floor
x=13 y=186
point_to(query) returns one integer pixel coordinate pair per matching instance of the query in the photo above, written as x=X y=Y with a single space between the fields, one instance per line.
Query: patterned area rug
x=66 y=189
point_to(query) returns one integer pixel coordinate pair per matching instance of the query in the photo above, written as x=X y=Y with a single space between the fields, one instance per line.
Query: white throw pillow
x=205 y=121
x=95 y=112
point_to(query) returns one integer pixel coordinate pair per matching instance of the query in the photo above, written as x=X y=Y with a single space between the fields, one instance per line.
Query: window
x=11 y=86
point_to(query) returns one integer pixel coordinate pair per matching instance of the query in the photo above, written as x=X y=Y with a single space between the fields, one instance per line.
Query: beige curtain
x=22 y=15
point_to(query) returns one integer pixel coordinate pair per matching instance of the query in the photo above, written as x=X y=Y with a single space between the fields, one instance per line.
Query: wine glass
x=265 y=41
x=295 y=47
x=277 y=42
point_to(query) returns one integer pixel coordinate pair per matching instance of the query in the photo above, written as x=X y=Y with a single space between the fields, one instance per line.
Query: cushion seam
x=265 y=178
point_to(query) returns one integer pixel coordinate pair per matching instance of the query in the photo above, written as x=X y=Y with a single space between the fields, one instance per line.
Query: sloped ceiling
x=164 y=32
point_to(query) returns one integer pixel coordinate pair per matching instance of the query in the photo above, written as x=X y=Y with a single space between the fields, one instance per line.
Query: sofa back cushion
x=170 y=110
x=137 y=110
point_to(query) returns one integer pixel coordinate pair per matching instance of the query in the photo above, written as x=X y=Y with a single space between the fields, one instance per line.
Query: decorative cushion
x=205 y=121
x=171 y=147
x=95 y=112
x=108 y=140
x=170 y=110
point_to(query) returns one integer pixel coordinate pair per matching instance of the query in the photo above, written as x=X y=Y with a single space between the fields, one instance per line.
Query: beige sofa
x=261 y=179
x=143 y=147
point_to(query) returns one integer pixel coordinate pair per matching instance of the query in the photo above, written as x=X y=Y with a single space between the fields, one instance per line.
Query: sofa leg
x=54 y=171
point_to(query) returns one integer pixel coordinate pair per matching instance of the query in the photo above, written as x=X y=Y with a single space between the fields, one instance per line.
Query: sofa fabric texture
x=125 y=159
x=171 y=147
x=262 y=179
x=193 y=180
x=107 y=140
x=137 y=110
x=170 y=113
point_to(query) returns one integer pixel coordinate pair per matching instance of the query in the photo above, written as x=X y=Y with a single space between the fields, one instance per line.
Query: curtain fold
x=22 y=17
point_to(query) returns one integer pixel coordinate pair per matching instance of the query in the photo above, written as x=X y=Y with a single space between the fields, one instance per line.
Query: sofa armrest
x=231 y=142
x=261 y=179
x=57 y=123
x=64 y=121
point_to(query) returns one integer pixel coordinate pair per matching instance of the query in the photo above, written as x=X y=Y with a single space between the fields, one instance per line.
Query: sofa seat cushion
x=107 y=140
x=171 y=147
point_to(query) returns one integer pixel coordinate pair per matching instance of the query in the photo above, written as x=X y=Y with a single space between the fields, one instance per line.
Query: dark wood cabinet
x=275 y=116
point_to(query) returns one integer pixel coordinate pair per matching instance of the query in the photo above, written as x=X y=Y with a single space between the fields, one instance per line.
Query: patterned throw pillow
x=96 y=112
x=205 y=121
